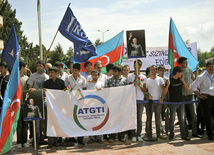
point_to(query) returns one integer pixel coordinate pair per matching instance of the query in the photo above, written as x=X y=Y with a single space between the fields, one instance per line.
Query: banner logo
x=94 y=108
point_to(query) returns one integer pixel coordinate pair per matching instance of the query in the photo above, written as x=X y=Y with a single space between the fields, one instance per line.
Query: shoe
x=73 y=140
x=43 y=143
x=31 y=140
x=111 y=140
x=171 y=138
x=56 y=144
x=161 y=137
x=49 y=146
x=177 y=123
x=99 y=141
x=186 y=138
x=19 y=146
x=200 y=132
x=123 y=140
x=26 y=145
x=134 y=139
x=81 y=142
x=90 y=141
x=196 y=135
x=211 y=138
x=139 y=139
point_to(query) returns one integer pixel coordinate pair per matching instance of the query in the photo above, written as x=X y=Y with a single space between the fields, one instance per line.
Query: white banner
x=110 y=110
x=158 y=56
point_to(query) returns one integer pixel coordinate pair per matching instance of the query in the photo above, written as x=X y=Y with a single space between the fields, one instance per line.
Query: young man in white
x=98 y=67
x=76 y=81
x=62 y=75
x=157 y=90
x=136 y=134
x=125 y=71
x=95 y=85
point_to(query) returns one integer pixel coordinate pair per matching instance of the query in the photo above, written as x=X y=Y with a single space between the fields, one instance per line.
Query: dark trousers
x=121 y=135
x=22 y=129
x=207 y=106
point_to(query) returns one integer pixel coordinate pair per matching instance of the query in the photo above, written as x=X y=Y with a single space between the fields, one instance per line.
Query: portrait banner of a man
x=136 y=43
x=33 y=106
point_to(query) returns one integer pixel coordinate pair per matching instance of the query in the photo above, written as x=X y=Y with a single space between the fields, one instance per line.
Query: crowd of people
x=180 y=90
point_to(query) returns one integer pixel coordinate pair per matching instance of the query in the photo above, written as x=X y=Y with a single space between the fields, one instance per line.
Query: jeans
x=22 y=129
x=181 y=118
x=137 y=133
x=192 y=109
x=150 y=108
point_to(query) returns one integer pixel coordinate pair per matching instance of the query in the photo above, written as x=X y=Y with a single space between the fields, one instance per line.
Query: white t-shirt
x=36 y=80
x=139 y=92
x=93 y=86
x=102 y=78
x=75 y=84
x=154 y=87
x=63 y=76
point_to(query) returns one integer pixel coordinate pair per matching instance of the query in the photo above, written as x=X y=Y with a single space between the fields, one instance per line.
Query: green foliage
x=97 y=42
x=203 y=56
x=28 y=52
x=56 y=55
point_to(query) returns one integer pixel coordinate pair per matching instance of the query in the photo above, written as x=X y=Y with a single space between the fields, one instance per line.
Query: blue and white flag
x=11 y=50
x=72 y=30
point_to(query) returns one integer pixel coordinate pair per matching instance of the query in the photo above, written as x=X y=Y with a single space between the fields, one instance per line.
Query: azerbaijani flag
x=81 y=93
x=139 y=82
x=11 y=102
x=177 y=49
x=112 y=51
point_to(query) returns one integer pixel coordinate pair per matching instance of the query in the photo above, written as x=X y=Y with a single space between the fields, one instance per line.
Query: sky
x=193 y=18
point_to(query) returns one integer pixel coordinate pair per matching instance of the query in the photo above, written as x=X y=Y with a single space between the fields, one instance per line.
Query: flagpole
x=47 y=52
x=121 y=51
x=34 y=133
x=39 y=27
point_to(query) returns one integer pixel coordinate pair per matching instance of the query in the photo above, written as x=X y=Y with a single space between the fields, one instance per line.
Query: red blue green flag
x=177 y=48
x=11 y=102
x=112 y=51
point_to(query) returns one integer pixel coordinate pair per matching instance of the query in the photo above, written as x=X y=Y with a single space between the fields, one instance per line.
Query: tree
x=26 y=49
x=32 y=56
x=97 y=42
x=56 y=55
x=68 y=55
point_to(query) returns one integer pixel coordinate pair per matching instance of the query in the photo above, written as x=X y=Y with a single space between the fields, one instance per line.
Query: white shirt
x=75 y=84
x=154 y=87
x=63 y=76
x=102 y=78
x=139 y=92
x=206 y=83
x=85 y=74
x=93 y=86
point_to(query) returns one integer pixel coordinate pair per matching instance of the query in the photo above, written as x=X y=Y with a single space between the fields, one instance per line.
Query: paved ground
x=161 y=147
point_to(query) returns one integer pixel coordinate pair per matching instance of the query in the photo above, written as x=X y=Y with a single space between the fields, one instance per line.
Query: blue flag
x=12 y=97
x=72 y=30
x=11 y=50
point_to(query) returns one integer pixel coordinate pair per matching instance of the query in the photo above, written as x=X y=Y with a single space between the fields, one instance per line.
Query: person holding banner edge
x=140 y=90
